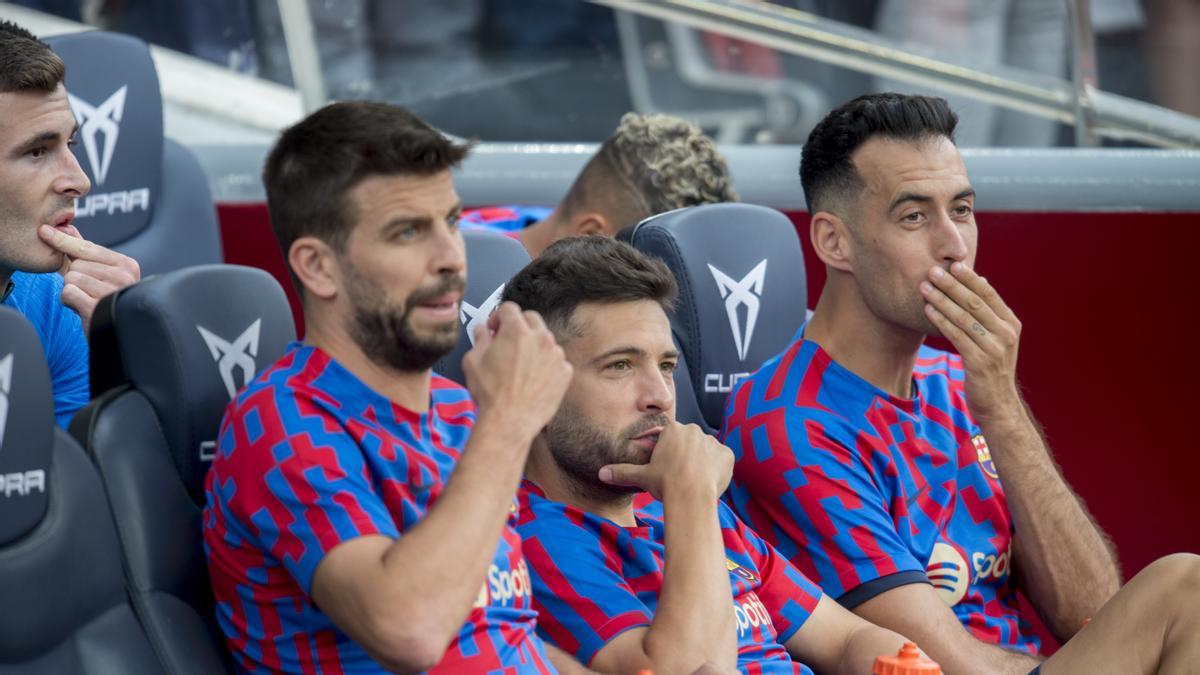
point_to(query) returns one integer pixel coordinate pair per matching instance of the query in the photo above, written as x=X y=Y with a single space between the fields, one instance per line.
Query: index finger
x=980 y=286
x=77 y=247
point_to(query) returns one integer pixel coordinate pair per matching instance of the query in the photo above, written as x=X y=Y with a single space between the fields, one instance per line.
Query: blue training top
x=39 y=298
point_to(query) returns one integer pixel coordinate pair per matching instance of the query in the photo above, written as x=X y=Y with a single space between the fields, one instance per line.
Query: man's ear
x=314 y=263
x=591 y=223
x=831 y=241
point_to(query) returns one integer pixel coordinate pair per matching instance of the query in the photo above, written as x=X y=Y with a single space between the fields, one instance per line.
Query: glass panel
x=565 y=70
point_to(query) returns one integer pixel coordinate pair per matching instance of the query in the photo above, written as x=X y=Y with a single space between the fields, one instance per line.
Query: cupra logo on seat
x=744 y=292
x=239 y=353
x=106 y=119
x=473 y=316
x=6 y=365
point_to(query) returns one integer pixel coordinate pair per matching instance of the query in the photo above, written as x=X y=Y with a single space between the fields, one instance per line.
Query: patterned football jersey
x=507 y=219
x=865 y=492
x=594 y=579
x=308 y=457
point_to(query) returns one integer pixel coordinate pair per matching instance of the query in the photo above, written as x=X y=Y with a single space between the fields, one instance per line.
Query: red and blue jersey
x=594 y=579
x=507 y=219
x=309 y=457
x=865 y=492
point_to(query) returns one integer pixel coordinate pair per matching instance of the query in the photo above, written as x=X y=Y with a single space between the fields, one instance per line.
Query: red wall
x=1108 y=358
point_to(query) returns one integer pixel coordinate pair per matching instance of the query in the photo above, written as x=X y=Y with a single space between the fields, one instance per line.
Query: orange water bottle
x=908 y=662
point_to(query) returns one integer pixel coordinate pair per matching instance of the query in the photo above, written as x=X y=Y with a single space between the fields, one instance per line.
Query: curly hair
x=652 y=164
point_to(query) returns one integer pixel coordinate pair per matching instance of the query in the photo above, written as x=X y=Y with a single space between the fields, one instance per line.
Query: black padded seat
x=150 y=197
x=65 y=609
x=183 y=344
x=742 y=295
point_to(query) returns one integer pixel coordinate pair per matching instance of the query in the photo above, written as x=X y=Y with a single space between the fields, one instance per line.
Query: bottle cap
x=908 y=662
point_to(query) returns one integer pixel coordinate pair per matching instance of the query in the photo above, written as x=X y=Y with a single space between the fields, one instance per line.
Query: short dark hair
x=651 y=164
x=594 y=268
x=317 y=162
x=827 y=172
x=27 y=63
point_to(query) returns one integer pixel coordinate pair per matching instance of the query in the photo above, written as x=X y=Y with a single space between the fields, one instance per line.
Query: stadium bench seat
x=65 y=609
x=149 y=199
x=742 y=296
x=177 y=346
x=492 y=259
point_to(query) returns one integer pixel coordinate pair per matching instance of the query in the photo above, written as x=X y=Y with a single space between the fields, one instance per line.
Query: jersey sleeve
x=789 y=596
x=583 y=600
x=806 y=481
x=295 y=480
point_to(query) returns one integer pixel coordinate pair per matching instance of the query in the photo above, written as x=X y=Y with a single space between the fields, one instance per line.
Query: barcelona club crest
x=740 y=571
x=984 y=455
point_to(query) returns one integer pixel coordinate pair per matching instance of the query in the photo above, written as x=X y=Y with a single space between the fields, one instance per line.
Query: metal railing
x=1093 y=112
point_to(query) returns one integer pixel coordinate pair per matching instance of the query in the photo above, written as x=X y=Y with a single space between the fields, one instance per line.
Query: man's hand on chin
x=90 y=271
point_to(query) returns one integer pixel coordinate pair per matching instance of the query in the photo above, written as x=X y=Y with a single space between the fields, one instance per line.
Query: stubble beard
x=384 y=331
x=580 y=449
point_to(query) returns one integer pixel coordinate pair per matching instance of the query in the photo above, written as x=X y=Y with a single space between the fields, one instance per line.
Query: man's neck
x=409 y=390
x=540 y=235
x=877 y=351
x=5 y=276
x=560 y=487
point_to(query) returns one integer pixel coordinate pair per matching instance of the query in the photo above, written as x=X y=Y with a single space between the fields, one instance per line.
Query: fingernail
x=606 y=474
x=938 y=273
x=957 y=268
x=926 y=287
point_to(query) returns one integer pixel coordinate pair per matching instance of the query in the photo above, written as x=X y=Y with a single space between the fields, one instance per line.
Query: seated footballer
x=672 y=580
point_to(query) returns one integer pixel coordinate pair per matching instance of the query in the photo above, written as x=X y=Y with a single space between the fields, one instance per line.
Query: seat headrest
x=113 y=90
x=742 y=290
x=188 y=340
x=492 y=259
x=26 y=426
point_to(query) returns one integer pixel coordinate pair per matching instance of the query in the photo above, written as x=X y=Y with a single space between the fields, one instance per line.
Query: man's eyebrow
x=44 y=137
x=909 y=197
x=404 y=221
x=926 y=199
x=627 y=350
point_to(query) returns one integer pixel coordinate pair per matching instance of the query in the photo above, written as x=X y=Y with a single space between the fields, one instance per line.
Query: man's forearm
x=694 y=622
x=474 y=507
x=866 y=643
x=1065 y=561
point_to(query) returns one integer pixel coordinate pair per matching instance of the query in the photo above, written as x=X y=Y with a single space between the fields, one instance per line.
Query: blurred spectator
x=1173 y=53
x=1027 y=34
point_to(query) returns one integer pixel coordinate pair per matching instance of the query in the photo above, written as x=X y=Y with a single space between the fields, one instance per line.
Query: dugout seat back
x=65 y=606
x=492 y=259
x=150 y=198
x=742 y=296
x=185 y=342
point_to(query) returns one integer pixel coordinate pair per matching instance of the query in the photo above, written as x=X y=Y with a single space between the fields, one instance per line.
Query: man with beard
x=913 y=484
x=337 y=540
x=674 y=581
x=40 y=180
